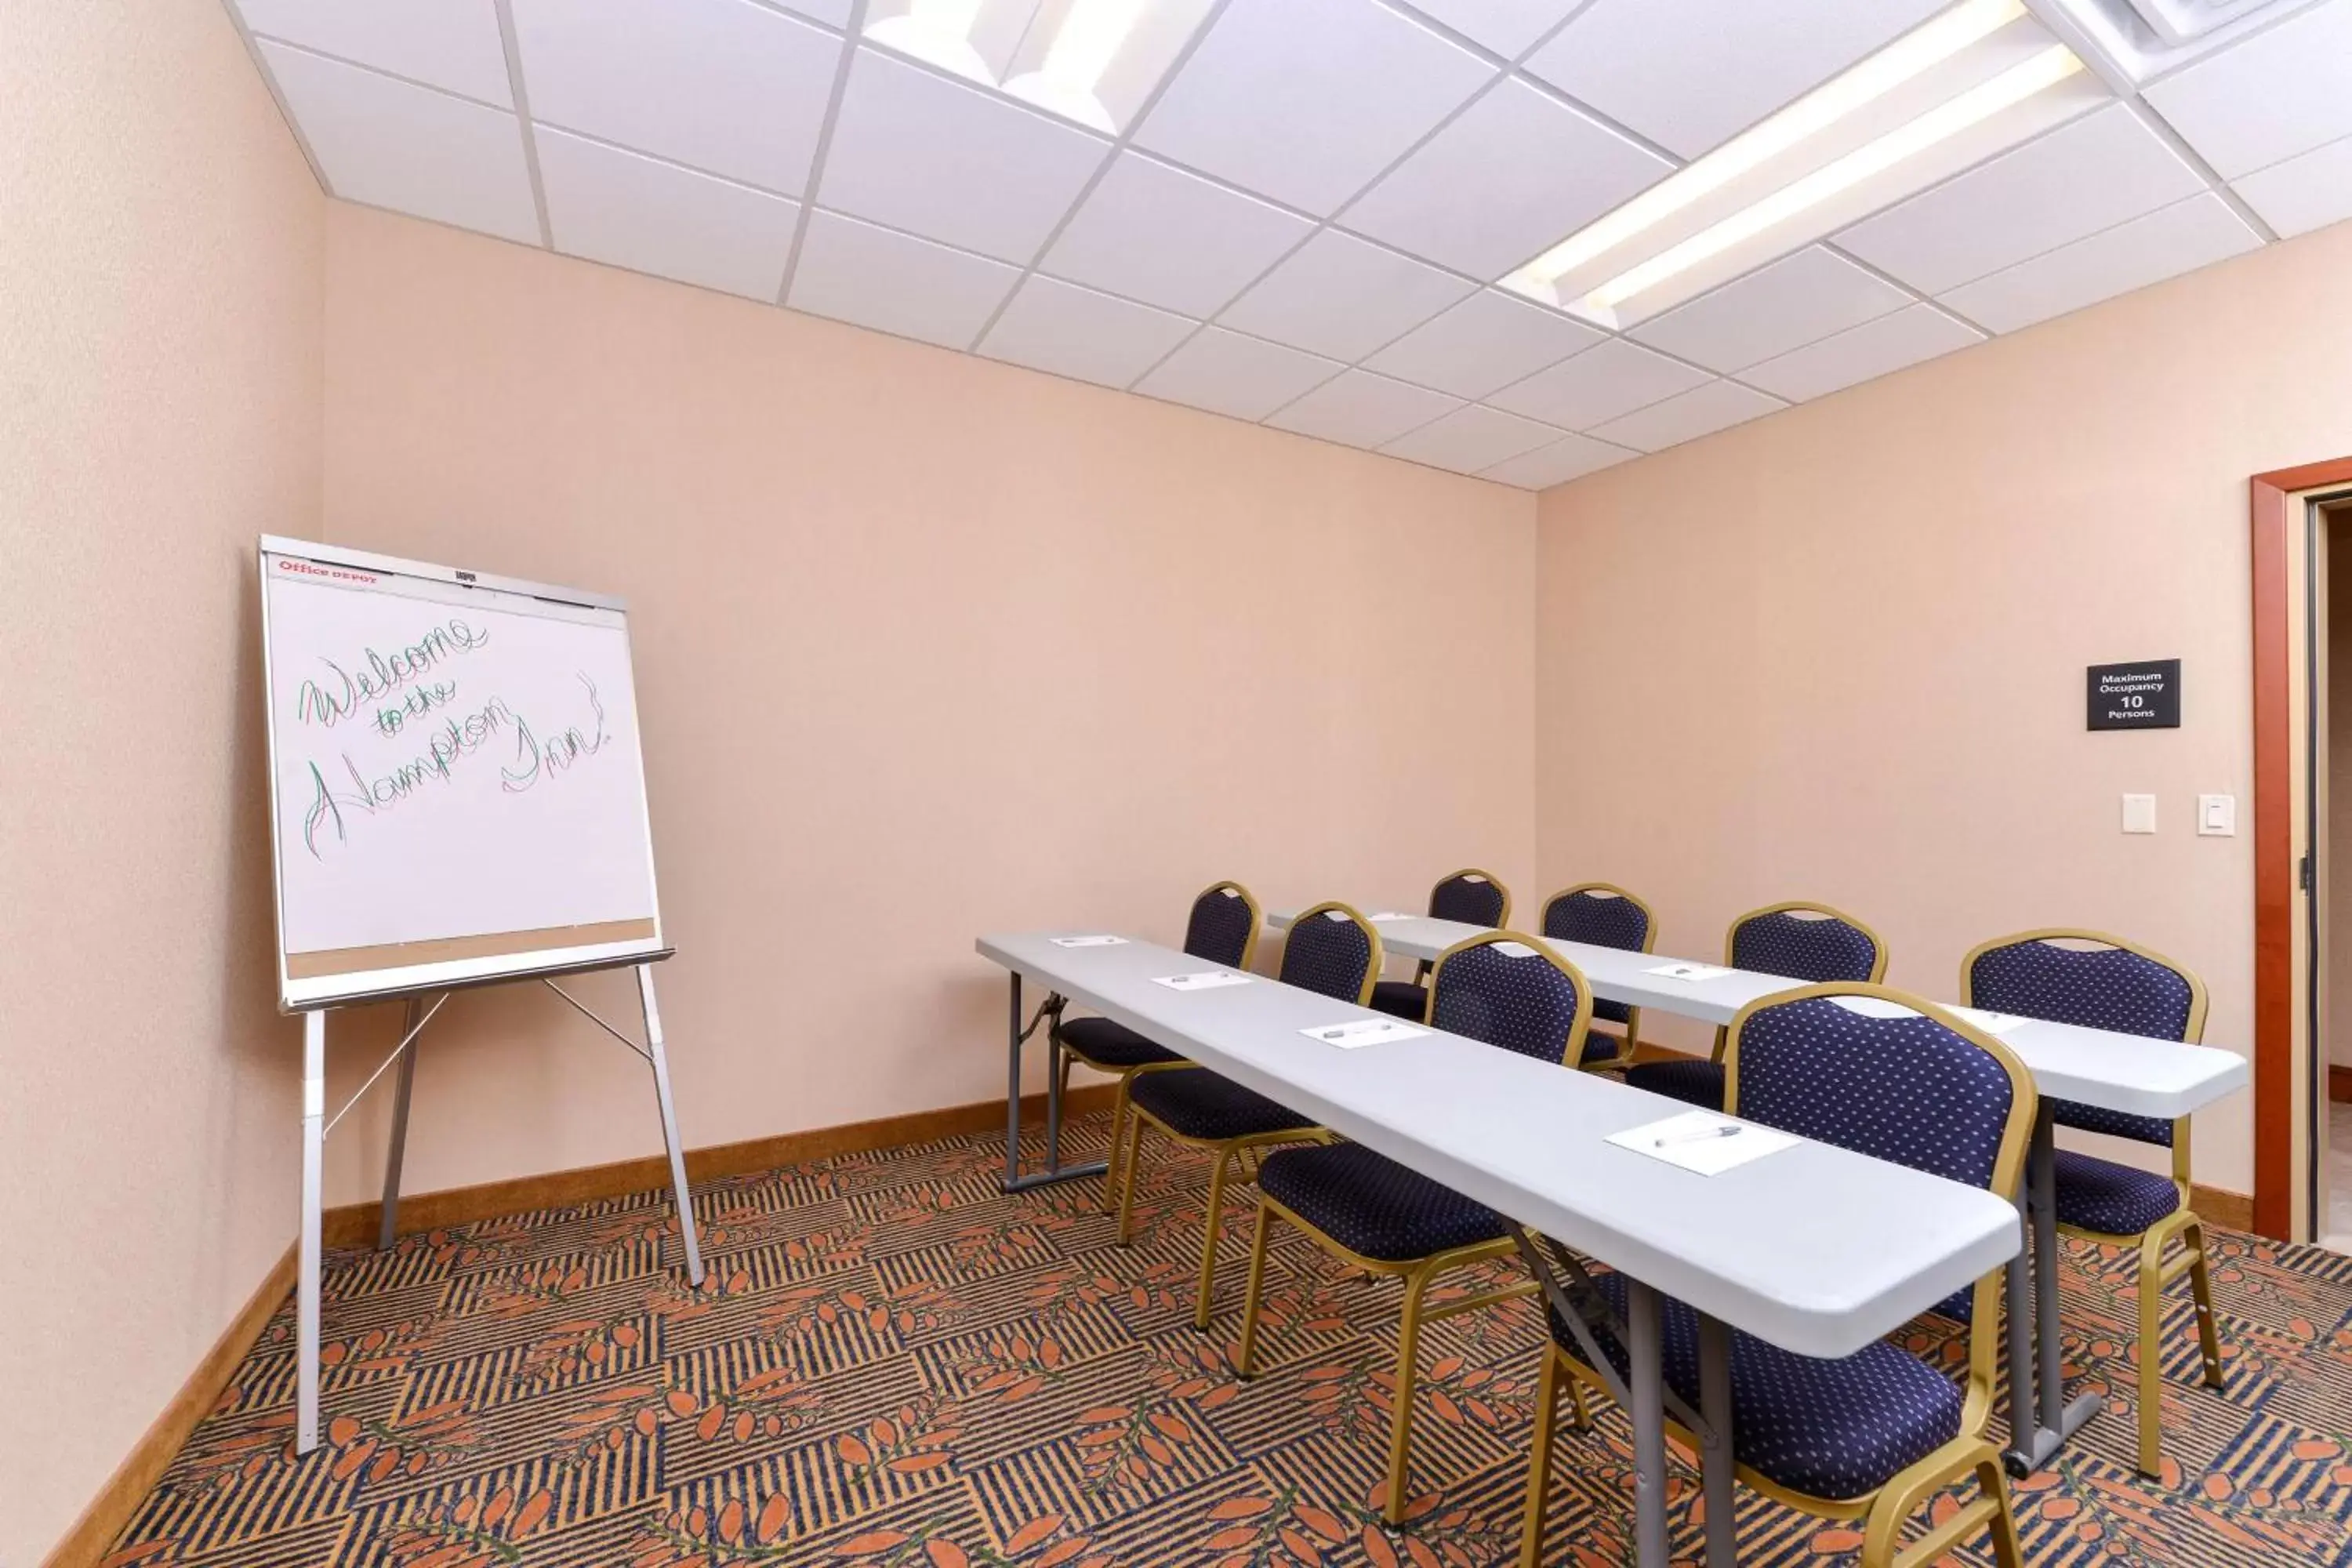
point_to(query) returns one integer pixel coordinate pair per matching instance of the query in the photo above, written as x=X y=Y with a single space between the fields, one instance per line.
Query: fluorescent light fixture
x=938 y=31
x=1917 y=51
x=1089 y=39
x=1980 y=103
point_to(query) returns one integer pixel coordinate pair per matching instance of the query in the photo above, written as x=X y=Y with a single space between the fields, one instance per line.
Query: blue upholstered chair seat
x=2117 y=1200
x=1602 y=1047
x=1402 y=998
x=1373 y=1205
x=1610 y=1012
x=1197 y=1103
x=2115 y=1123
x=1690 y=1081
x=1828 y=1428
x=1113 y=1044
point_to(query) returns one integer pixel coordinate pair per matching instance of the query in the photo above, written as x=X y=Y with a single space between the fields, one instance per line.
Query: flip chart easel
x=457 y=800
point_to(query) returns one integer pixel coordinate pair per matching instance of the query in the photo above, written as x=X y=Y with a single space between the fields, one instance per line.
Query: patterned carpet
x=897 y=1366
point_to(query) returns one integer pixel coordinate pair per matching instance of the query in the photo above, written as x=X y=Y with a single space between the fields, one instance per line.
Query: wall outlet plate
x=2139 y=814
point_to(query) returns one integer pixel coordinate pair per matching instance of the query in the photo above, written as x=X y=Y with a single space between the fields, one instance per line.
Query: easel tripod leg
x=398 y=1147
x=314 y=1111
x=669 y=1125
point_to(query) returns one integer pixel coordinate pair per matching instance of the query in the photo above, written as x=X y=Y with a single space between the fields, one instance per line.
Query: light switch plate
x=2216 y=816
x=2139 y=814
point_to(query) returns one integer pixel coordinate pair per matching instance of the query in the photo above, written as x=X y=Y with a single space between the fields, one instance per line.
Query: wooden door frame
x=2274 y=536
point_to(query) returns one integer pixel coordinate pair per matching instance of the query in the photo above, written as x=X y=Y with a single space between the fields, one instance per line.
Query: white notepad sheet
x=1088 y=941
x=1362 y=1033
x=1990 y=1023
x=1689 y=971
x=1702 y=1142
x=1206 y=979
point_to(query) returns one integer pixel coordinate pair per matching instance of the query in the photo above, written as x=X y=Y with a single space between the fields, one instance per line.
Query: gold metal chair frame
x=1631 y=1033
x=1416 y=1272
x=1502 y=917
x=2156 y=1274
x=1225 y=1150
x=1795 y=906
x=1886 y=1509
x=1126 y=1075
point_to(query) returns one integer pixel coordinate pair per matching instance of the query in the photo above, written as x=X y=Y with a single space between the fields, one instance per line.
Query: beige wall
x=160 y=315
x=1838 y=653
x=927 y=646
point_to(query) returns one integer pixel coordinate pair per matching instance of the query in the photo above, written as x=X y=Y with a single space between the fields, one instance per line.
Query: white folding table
x=1815 y=1249
x=2129 y=1073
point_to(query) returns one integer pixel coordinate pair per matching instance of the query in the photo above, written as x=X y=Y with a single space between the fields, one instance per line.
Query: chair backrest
x=1601 y=914
x=1507 y=991
x=1805 y=941
x=1333 y=950
x=1224 y=925
x=2100 y=981
x=1472 y=897
x=1889 y=1075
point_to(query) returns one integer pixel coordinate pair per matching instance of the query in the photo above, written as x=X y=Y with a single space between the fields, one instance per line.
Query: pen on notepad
x=1724 y=1132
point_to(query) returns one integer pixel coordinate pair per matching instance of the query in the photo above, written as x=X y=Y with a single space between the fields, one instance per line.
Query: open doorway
x=2302 y=959
x=2328 y=519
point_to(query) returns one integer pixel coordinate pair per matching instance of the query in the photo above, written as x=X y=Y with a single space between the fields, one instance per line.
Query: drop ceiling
x=1308 y=217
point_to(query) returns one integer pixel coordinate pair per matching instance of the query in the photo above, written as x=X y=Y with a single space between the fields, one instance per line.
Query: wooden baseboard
x=2230 y=1211
x=108 y=1513
x=2339 y=1082
x=355 y=1225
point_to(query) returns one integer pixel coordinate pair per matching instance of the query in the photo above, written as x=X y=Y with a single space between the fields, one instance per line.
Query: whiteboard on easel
x=457 y=788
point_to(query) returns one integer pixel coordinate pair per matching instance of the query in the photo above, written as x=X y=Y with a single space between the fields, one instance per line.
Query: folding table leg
x=1015 y=1034
x=1716 y=1459
x=2041 y=1417
x=1645 y=1380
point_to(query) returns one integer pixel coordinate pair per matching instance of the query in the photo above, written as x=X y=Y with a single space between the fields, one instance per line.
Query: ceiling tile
x=1512 y=176
x=1306 y=101
x=1795 y=301
x=1226 y=372
x=1076 y=332
x=1362 y=409
x=855 y=272
x=725 y=85
x=2089 y=175
x=2308 y=190
x=451 y=43
x=1860 y=354
x=608 y=205
x=2281 y=92
x=1691 y=74
x=1569 y=458
x=1170 y=239
x=1605 y=380
x=920 y=152
x=1505 y=26
x=388 y=144
x=1488 y=341
x=1340 y=297
x=1471 y=439
x=1717 y=406
x=2179 y=238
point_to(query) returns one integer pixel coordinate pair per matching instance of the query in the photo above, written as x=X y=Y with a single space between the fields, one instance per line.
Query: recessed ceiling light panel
x=1094 y=61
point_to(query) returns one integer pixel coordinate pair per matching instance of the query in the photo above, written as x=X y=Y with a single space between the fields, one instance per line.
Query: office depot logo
x=334 y=574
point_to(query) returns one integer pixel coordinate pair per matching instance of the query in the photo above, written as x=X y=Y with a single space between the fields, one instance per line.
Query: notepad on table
x=1391 y=915
x=1088 y=941
x=1990 y=1023
x=1362 y=1033
x=1206 y=979
x=1704 y=1142
x=1689 y=971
